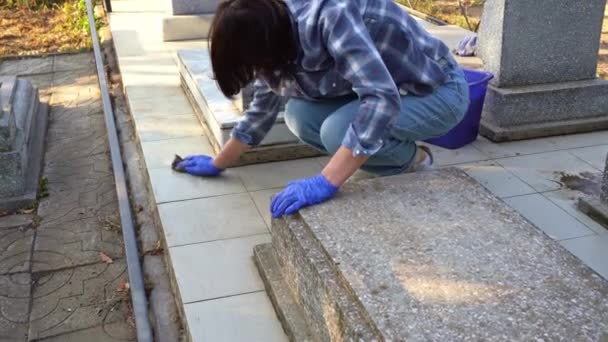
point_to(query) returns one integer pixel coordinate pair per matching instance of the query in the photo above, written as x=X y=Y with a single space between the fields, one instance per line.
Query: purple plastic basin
x=466 y=131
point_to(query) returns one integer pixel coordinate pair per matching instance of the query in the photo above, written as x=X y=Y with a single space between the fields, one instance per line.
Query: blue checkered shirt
x=370 y=47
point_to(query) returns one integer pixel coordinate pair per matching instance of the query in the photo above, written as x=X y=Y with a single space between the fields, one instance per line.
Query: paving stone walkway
x=54 y=285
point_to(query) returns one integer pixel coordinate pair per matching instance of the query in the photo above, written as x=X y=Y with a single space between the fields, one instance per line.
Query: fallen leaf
x=105 y=258
x=122 y=286
x=27 y=211
x=158 y=248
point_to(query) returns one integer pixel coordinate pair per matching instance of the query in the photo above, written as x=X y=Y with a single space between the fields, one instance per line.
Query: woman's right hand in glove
x=200 y=165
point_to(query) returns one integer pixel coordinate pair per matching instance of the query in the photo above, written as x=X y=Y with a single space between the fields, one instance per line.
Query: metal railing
x=136 y=282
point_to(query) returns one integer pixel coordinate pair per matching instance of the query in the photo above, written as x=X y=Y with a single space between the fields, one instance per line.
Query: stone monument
x=597 y=206
x=218 y=115
x=544 y=58
x=430 y=256
x=189 y=19
x=23 y=121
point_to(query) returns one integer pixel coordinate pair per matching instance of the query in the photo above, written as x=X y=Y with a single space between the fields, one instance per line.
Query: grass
x=29 y=27
x=43 y=188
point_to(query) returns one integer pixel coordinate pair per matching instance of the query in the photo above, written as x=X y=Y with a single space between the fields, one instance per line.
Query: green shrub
x=78 y=20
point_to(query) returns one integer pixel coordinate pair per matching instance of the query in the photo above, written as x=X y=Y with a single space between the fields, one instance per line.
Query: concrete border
x=165 y=317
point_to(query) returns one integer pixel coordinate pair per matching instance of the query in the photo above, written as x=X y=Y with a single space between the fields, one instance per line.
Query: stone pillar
x=544 y=58
x=23 y=122
x=189 y=19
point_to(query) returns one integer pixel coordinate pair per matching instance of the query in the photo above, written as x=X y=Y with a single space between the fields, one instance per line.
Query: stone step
x=219 y=115
x=428 y=256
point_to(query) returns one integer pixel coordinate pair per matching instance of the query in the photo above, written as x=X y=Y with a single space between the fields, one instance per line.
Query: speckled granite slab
x=434 y=256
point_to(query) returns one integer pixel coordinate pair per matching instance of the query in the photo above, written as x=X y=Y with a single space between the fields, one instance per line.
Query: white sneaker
x=425 y=164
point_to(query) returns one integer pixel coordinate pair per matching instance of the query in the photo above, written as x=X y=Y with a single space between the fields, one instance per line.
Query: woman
x=364 y=82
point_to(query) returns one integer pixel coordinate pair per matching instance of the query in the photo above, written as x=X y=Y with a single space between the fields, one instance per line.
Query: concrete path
x=54 y=283
x=210 y=226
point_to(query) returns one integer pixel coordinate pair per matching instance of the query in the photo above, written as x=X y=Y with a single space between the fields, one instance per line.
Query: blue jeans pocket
x=425 y=117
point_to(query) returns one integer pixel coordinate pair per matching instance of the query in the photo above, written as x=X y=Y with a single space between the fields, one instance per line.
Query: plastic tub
x=466 y=131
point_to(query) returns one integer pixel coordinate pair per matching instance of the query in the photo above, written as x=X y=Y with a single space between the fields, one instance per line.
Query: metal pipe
x=136 y=282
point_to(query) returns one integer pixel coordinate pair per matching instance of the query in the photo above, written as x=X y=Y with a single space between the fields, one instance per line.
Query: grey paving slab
x=465 y=154
x=594 y=155
x=116 y=331
x=217 y=269
x=14 y=306
x=167 y=127
x=592 y=250
x=77 y=61
x=22 y=221
x=160 y=154
x=77 y=298
x=26 y=66
x=495 y=178
x=248 y=317
x=549 y=217
x=208 y=219
x=544 y=171
x=160 y=106
x=75 y=85
x=152 y=91
x=76 y=243
x=515 y=148
x=273 y=175
x=170 y=186
x=262 y=200
x=82 y=196
x=15 y=250
x=567 y=200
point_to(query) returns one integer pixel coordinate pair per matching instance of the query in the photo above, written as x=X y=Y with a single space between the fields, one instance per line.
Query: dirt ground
x=36 y=32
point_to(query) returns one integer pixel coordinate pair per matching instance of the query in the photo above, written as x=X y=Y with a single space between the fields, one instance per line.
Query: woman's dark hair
x=249 y=37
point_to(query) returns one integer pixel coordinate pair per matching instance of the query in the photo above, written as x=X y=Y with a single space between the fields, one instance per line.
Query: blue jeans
x=323 y=124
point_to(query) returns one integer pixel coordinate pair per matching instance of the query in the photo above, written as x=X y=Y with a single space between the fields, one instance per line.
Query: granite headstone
x=543 y=55
x=189 y=19
x=190 y=7
x=430 y=256
x=22 y=131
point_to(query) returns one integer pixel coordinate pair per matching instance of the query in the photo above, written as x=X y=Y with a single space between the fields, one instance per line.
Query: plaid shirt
x=370 y=47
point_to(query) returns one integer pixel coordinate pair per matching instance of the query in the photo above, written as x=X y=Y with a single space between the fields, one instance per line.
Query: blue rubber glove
x=200 y=165
x=302 y=193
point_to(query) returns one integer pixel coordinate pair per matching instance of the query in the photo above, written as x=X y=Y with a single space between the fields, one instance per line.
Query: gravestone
x=23 y=122
x=219 y=115
x=189 y=19
x=430 y=256
x=596 y=206
x=544 y=57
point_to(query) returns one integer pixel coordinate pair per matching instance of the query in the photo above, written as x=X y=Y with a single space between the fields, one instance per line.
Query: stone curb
x=163 y=310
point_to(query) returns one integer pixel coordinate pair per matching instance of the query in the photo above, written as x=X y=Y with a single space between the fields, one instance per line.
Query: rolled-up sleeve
x=260 y=116
x=359 y=62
